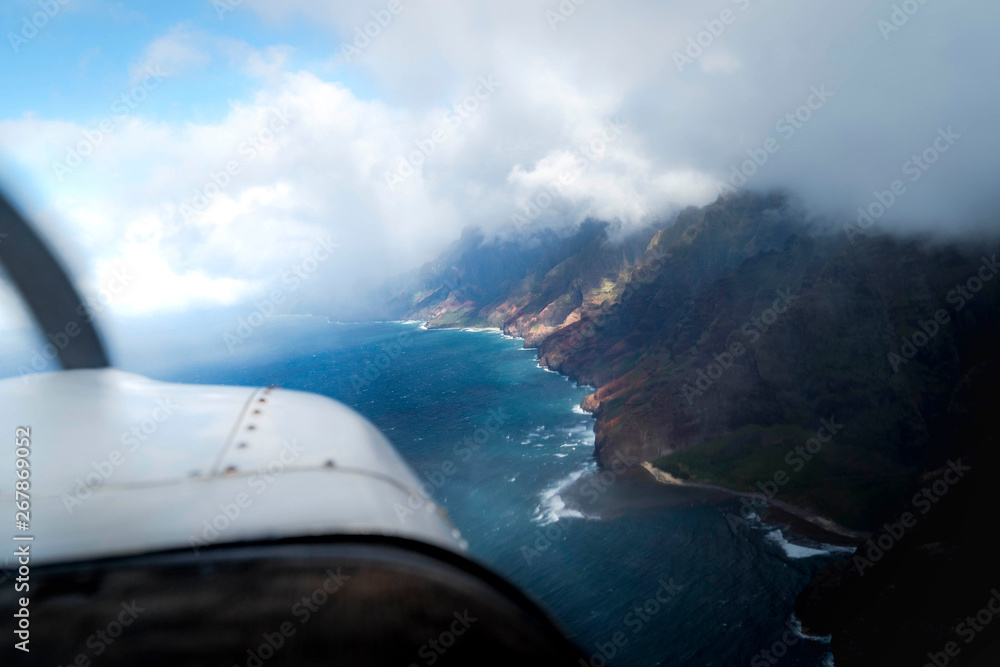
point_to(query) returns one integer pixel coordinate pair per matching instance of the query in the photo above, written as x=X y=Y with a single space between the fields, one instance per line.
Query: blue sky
x=79 y=61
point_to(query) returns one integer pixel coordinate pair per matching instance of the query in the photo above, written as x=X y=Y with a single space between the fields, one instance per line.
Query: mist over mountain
x=457 y=116
x=837 y=371
x=740 y=315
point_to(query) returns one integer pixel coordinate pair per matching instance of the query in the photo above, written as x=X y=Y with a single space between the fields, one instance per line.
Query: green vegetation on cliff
x=719 y=342
x=835 y=482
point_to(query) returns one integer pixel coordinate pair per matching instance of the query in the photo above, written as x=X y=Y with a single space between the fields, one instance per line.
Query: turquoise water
x=498 y=439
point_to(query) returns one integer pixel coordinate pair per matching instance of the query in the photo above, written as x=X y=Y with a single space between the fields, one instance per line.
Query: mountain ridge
x=742 y=347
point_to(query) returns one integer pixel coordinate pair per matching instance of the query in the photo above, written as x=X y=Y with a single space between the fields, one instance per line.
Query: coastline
x=800 y=521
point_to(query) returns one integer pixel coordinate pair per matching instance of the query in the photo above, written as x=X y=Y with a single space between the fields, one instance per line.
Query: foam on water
x=799 y=551
x=836 y=549
x=551 y=507
x=797 y=625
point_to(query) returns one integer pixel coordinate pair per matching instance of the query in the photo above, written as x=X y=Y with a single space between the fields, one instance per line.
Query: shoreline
x=802 y=521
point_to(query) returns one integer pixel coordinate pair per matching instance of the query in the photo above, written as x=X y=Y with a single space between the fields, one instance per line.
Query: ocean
x=637 y=573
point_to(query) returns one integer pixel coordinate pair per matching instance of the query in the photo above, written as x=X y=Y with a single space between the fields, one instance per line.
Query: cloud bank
x=424 y=118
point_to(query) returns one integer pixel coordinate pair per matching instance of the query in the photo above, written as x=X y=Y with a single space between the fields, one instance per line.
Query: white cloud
x=259 y=64
x=175 y=52
x=324 y=174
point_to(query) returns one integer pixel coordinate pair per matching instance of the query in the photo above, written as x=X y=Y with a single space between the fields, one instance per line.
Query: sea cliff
x=739 y=345
x=719 y=344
